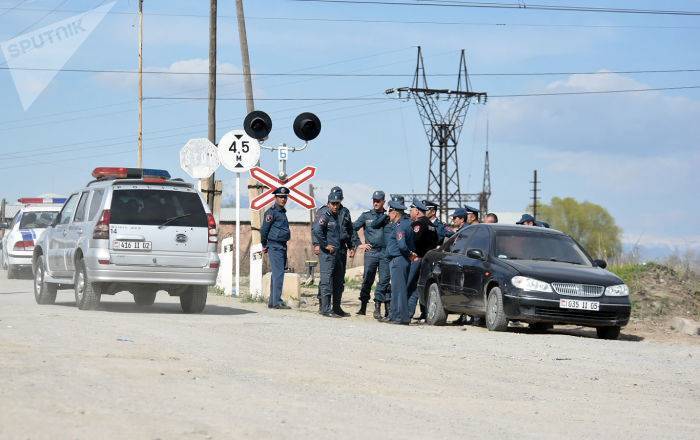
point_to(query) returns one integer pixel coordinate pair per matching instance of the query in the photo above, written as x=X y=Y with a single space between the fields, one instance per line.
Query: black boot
x=363 y=308
x=324 y=309
x=385 y=318
x=337 y=309
x=377 y=310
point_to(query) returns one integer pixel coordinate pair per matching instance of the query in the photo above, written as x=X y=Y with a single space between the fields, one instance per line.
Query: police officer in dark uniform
x=326 y=233
x=459 y=219
x=426 y=239
x=442 y=231
x=349 y=240
x=274 y=235
x=527 y=220
x=472 y=215
x=375 y=256
x=401 y=251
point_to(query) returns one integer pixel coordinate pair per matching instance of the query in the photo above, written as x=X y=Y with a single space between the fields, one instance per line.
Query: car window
x=66 y=214
x=153 y=207
x=82 y=207
x=37 y=219
x=528 y=244
x=480 y=240
x=14 y=220
x=95 y=203
x=459 y=245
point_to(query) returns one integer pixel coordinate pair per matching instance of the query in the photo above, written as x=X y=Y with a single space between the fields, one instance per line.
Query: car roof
x=42 y=207
x=506 y=227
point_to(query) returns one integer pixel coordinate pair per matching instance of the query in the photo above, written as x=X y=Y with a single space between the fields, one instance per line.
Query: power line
x=519 y=6
x=349 y=75
x=12 y=8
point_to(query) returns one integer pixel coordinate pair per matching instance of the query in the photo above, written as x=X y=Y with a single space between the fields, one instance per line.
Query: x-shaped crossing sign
x=292 y=183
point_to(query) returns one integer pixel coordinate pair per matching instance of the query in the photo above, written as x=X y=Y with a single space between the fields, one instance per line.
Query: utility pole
x=534 y=193
x=211 y=118
x=140 y=136
x=253 y=189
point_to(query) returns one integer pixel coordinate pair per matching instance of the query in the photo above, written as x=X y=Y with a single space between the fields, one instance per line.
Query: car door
x=56 y=238
x=75 y=231
x=451 y=267
x=473 y=269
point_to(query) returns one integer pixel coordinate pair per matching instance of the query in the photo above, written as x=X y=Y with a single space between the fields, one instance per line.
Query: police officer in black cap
x=442 y=230
x=426 y=239
x=349 y=240
x=274 y=235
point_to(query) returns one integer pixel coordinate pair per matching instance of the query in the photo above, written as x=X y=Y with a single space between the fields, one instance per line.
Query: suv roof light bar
x=42 y=200
x=101 y=173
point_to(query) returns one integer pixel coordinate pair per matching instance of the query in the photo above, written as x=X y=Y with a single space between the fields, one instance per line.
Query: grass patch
x=248 y=298
x=216 y=291
x=629 y=272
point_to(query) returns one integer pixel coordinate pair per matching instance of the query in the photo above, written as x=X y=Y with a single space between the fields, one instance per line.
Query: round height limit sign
x=238 y=152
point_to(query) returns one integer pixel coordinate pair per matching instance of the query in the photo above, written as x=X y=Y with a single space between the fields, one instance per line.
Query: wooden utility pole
x=140 y=136
x=535 y=197
x=211 y=195
x=253 y=190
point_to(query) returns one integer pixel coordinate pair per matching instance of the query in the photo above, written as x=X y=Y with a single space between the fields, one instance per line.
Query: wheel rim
x=493 y=309
x=80 y=286
x=38 y=278
x=432 y=306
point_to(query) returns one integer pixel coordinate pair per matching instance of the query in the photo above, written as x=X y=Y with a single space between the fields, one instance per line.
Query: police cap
x=338 y=190
x=398 y=198
x=418 y=205
x=282 y=191
x=378 y=195
x=472 y=210
x=525 y=218
x=430 y=205
x=397 y=205
x=335 y=196
x=460 y=212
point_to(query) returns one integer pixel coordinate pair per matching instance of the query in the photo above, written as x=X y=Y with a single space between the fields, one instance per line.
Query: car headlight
x=530 y=284
x=618 y=290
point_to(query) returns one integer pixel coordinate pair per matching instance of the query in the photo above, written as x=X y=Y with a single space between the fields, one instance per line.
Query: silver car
x=129 y=230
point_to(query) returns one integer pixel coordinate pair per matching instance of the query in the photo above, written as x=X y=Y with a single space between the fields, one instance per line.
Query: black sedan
x=522 y=273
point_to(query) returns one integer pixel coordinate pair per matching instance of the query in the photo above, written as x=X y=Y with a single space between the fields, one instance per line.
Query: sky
x=636 y=154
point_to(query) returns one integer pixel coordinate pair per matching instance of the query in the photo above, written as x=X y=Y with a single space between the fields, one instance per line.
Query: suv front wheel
x=193 y=299
x=87 y=294
x=44 y=293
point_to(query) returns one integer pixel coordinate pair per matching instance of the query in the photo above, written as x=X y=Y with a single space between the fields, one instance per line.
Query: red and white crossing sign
x=292 y=182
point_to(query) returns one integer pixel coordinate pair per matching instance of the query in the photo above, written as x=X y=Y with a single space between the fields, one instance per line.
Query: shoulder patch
x=416 y=228
x=322 y=221
x=400 y=235
x=268 y=218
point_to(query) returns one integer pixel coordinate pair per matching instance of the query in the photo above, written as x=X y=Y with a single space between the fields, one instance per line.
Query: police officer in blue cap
x=459 y=219
x=327 y=232
x=401 y=250
x=274 y=235
x=442 y=230
x=375 y=256
x=426 y=239
x=526 y=220
x=472 y=215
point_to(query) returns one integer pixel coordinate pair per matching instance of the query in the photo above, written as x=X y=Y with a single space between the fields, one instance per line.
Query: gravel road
x=242 y=371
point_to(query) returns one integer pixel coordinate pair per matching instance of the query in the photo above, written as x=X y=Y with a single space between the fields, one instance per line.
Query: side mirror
x=4 y=226
x=476 y=254
x=257 y=125
x=307 y=126
x=600 y=263
x=55 y=221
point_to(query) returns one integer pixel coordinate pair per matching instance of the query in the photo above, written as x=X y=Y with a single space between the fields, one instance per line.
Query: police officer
x=326 y=233
x=375 y=256
x=349 y=240
x=426 y=239
x=442 y=230
x=401 y=251
x=459 y=219
x=274 y=235
x=491 y=218
x=472 y=215
x=526 y=220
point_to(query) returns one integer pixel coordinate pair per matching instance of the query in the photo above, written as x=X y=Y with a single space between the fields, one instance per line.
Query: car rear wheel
x=44 y=293
x=495 y=316
x=436 y=314
x=87 y=294
x=193 y=299
x=608 y=332
x=144 y=296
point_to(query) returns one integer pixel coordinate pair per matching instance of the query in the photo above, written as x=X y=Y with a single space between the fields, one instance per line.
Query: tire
x=435 y=313
x=87 y=294
x=496 y=320
x=44 y=293
x=540 y=327
x=608 y=332
x=144 y=296
x=11 y=272
x=193 y=299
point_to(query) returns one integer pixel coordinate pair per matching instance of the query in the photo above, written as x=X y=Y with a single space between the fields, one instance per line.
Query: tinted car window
x=68 y=209
x=530 y=245
x=37 y=219
x=459 y=245
x=95 y=203
x=153 y=207
x=80 y=212
x=480 y=240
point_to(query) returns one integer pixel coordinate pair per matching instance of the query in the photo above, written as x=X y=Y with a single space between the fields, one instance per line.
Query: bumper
x=21 y=258
x=533 y=309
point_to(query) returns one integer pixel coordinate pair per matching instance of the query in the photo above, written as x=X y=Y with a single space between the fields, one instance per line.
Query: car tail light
x=24 y=245
x=211 y=224
x=101 y=261
x=101 y=231
x=213 y=265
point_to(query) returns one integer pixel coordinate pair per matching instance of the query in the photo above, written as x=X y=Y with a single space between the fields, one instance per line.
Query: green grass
x=250 y=299
x=216 y=291
x=629 y=272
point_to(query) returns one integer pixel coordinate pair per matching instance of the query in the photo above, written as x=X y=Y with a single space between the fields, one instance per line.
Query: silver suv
x=129 y=230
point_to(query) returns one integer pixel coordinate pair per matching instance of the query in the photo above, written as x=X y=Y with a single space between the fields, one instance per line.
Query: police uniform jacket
x=373 y=236
x=426 y=237
x=275 y=226
x=348 y=236
x=326 y=229
x=401 y=243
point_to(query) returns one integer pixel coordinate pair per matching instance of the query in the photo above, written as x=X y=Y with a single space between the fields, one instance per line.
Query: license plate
x=131 y=245
x=593 y=306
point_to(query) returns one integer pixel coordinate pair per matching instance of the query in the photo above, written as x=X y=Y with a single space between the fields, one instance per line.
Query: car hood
x=552 y=271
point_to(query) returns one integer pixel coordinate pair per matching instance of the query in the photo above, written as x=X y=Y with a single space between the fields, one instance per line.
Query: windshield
x=154 y=207
x=37 y=219
x=531 y=245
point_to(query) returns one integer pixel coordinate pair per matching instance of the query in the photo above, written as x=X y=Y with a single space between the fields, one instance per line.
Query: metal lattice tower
x=442 y=112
